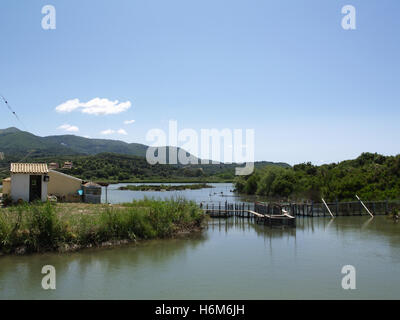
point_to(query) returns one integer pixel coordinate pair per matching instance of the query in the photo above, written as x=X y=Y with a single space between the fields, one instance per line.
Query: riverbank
x=164 y=187
x=66 y=227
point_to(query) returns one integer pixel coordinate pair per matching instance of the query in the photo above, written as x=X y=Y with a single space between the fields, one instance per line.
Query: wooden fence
x=353 y=208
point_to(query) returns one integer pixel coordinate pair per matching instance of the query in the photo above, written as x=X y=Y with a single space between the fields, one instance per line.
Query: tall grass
x=43 y=227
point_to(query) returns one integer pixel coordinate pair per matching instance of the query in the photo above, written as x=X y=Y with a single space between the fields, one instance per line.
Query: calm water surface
x=220 y=192
x=231 y=259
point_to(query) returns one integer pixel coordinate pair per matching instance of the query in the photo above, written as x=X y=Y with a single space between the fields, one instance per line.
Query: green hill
x=95 y=146
x=14 y=142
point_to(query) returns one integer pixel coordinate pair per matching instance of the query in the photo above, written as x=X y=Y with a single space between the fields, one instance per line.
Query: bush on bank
x=43 y=227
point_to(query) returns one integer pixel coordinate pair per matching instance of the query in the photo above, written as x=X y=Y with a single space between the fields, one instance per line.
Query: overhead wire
x=20 y=121
x=12 y=110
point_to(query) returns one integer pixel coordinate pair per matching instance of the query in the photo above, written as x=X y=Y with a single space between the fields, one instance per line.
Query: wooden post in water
x=364 y=206
x=312 y=208
x=327 y=208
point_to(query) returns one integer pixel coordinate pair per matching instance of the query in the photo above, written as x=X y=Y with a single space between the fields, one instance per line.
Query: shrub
x=42 y=227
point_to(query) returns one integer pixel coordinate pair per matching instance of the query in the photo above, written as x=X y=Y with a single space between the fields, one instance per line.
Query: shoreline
x=113 y=243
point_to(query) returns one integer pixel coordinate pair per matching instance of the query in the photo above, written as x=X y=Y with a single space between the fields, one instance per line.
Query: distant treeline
x=371 y=176
x=112 y=167
x=119 y=168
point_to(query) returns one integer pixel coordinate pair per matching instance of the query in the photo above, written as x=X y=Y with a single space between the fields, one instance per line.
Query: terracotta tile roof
x=33 y=168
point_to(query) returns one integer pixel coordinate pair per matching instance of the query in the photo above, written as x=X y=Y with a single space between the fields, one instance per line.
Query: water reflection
x=18 y=272
x=232 y=258
x=248 y=225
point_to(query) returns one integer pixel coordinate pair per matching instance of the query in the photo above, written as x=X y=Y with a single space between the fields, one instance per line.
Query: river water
x=230 y=259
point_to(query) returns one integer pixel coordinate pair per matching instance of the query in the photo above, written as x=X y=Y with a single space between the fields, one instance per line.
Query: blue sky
x=311 y=90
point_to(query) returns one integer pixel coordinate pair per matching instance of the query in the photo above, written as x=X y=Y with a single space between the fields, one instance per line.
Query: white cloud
x=111 y=131
x=96 y=106
x=129 y=121
x=69 y=128
x=107 y=132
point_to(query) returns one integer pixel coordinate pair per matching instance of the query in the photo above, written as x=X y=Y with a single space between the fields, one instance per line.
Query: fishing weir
x=284 y=214
x=262 y=213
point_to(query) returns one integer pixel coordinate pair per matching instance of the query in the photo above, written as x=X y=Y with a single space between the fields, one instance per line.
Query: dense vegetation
x=125 y=168
x=48 y=227
x=370 y=176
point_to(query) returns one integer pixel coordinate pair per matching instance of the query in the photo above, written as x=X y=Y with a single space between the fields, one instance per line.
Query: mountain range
x=16 y=144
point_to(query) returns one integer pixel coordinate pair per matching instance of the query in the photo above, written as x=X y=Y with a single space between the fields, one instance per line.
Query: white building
x=29 y=181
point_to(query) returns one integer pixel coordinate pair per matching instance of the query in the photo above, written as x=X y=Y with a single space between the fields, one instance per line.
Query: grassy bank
x=161 y=187
x=64 y=227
